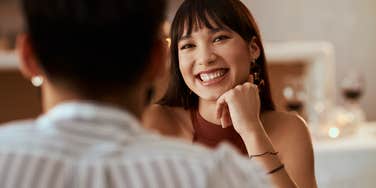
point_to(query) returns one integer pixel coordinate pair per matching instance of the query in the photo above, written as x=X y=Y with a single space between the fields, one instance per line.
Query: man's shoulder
x=15 y=127
x=175 y=149
x=157 y=145
x=17 y=134
x=178 y=164
x=152 y=147
x=152 y=155
x=222 y=167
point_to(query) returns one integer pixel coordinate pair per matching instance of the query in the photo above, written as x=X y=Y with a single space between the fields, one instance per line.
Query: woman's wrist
x=256 y=140
x=250 y=127
x=260 y=149
x=257 y=143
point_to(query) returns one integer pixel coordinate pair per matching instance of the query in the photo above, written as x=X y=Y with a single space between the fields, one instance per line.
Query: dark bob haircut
x=231 y=14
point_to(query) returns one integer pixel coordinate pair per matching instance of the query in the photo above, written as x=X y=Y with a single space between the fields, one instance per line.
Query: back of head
x=93 y=45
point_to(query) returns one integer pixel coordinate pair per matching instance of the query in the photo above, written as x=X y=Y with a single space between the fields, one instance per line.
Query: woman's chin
x=210 y=97
x=213 y=94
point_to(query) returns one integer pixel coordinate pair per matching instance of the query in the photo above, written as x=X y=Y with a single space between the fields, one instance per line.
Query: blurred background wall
x=10 y=22
x=350 y=25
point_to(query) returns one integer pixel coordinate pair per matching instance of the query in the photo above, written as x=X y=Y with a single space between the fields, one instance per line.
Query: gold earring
x=253 y=62
x=256 y=76
x=37 y=81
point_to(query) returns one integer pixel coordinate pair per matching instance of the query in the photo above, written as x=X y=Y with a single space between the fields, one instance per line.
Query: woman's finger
x=251 y=79
x=219 y=107
x=226 y=117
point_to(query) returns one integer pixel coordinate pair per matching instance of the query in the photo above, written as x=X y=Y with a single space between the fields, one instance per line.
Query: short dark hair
x=93 y=45
x=231 y=14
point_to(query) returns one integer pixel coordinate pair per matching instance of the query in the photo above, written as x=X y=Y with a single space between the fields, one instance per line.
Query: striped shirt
x=87 y=145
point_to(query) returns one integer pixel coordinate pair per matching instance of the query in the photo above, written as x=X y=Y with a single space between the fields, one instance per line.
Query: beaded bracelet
x=277 y=169
x=262 y=154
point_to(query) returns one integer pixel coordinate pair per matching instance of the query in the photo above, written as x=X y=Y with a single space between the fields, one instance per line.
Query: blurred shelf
x=318 y=58
x=290 y=51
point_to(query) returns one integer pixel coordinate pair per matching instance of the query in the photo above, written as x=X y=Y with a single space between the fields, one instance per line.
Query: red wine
x=294 y=105
x=352 y=94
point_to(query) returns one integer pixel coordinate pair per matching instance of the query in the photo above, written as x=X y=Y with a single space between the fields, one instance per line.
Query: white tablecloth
x=349 y=161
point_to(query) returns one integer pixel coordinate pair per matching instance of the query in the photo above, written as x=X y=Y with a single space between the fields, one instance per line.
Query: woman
x=219 y=91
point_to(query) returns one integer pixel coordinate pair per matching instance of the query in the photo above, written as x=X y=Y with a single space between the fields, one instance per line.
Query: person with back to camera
x=219 y=91
x=93 y=94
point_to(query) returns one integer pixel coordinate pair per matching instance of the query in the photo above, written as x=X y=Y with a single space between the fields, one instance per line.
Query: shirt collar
x=95 y=114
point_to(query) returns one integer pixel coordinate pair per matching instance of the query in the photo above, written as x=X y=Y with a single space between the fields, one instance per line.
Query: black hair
x=96 y=46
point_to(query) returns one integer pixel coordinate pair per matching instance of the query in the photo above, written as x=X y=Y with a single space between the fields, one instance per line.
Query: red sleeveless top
x=210 y=134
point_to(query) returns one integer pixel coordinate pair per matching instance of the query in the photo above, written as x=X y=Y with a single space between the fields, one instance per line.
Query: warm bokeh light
x=168 y=40
x=333 y=132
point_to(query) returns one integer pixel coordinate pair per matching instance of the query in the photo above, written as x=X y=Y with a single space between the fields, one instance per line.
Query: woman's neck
x=207 y=110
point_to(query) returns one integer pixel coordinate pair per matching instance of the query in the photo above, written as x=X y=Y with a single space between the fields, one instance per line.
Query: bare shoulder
x=288 y=132
x=171 y=121
x=290 y=136
x=285 y=123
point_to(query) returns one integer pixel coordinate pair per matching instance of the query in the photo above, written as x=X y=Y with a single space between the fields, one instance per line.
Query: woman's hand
x=240 y=107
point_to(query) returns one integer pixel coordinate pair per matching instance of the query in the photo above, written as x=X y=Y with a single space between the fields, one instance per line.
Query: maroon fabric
x=210 y=134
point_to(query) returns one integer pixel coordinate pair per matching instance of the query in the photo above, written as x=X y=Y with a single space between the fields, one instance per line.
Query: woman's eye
x=220 y=38
x=186 y=46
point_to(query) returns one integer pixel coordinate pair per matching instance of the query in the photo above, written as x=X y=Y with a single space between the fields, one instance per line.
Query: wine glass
x=294 y=94
x=352 y=87
x=350 y=115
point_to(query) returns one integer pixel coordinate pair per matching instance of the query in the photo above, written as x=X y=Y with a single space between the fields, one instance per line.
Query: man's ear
x=29 y=65
x=254 y=48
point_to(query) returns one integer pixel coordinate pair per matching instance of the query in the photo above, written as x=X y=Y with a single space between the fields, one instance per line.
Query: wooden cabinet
x=19 y=99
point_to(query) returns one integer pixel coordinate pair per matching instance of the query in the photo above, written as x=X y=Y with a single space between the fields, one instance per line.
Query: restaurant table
x=347 y=161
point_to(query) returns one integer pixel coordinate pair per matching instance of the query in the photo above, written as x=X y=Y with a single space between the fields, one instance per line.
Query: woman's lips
x=212 y=76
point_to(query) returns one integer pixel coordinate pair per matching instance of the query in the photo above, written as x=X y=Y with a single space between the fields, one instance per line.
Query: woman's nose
x=206 y=56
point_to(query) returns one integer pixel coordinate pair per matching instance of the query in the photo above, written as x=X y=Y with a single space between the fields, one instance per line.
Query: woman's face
x=213 y=61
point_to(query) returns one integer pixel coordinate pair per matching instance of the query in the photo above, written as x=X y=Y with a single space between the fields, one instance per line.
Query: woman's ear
x=254 y=49
x=29 y=65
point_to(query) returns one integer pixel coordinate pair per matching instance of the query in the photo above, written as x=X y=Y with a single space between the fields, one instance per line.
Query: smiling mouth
x=212 y=75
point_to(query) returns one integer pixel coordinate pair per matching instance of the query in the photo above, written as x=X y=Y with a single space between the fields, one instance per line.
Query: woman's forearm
x=260 y=148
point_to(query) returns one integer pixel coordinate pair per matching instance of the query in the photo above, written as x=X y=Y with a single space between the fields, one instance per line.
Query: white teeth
x=210 y=76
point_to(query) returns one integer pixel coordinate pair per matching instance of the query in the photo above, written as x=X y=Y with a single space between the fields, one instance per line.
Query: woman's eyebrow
x=185 y=37
x=216 y=30
x=212 y=31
